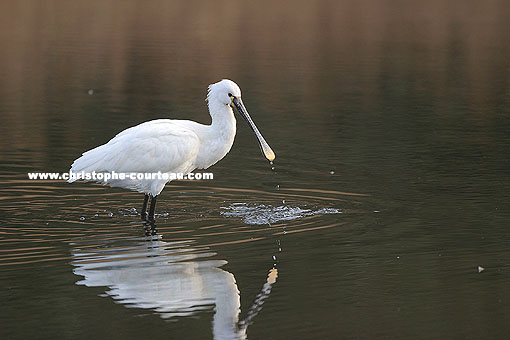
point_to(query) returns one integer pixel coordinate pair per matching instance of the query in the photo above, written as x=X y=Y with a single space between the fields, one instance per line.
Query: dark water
x=387 y=216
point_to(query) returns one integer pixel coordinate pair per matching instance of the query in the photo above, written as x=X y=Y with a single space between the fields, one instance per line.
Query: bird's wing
x=160 y=145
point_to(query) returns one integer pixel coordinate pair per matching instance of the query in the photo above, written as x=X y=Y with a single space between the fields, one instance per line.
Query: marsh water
x=386 y=215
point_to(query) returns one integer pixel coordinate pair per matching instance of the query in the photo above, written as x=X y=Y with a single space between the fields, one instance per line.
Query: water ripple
x=264 y=214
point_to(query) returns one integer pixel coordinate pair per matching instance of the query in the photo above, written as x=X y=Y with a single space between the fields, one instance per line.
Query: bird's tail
x=92 y=160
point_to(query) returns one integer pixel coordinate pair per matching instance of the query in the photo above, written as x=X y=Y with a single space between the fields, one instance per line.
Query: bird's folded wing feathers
x=150 y=147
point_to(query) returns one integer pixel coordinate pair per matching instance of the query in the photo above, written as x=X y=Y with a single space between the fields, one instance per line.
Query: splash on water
x=263 y=214
x=128 y=212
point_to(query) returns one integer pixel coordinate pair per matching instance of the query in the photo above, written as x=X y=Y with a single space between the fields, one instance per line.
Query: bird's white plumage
x=159 y=145
x=166 y=146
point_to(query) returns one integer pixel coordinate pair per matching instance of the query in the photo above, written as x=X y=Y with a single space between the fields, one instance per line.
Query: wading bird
x=170 y=146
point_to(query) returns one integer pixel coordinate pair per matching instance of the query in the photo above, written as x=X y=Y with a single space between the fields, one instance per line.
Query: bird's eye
x=230 y=94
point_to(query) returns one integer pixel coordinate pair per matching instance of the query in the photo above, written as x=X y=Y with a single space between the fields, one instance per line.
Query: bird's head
x=223 y=92
x=226 y=92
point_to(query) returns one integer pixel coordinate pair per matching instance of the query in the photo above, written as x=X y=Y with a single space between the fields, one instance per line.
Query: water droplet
x=284 y=232
x=274 y=258
x=271 y=162
x=110 y=214
x=331 y=172
x=90 y=92
x=279 y=249
x=277 y=186
x=480 y=269
x=82 y=218
x=273 y=168
x=96 y=215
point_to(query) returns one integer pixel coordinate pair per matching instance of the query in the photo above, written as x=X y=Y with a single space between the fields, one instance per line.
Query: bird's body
x=170 y=146
x=162 y=145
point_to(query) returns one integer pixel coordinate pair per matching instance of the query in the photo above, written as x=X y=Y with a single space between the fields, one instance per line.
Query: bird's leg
x=150 y=228
x=152 y=208
x=144 y=207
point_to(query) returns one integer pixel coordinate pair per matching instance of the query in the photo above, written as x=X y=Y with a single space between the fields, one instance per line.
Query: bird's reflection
x=170 y=278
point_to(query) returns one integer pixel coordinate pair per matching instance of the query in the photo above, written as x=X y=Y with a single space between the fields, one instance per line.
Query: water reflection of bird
x=169 y=147
x=174 y=279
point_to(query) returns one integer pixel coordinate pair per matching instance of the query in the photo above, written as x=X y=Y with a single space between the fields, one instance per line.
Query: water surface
x=386 y=215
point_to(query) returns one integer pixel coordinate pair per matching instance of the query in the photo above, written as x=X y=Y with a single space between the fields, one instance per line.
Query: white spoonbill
x=170 y=146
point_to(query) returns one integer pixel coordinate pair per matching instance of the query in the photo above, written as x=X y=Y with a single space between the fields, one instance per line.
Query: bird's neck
x=223 y=120
x=219 y=136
